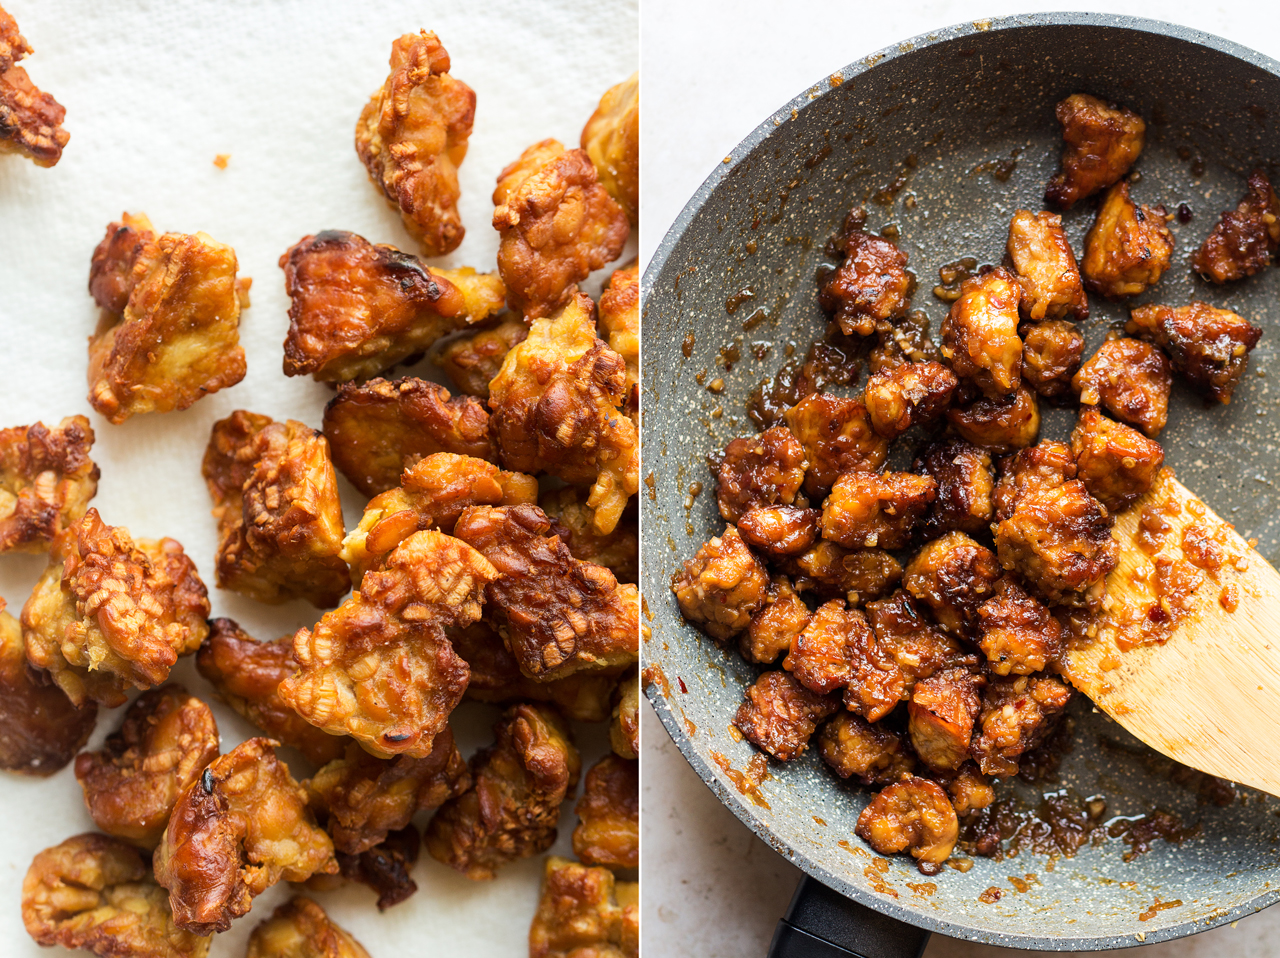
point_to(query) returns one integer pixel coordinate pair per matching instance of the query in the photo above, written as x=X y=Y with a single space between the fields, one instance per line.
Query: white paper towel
x=154 y=91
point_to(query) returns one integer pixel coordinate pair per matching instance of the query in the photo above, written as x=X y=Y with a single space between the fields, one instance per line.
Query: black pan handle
x=821 y=923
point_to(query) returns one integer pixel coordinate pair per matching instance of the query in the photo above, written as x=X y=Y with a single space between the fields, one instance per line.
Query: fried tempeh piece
x=1059 y=540
x=1017 y=714
x=1131 y=380
x=608 y=831
x=913 y=815
x=385 y=868
x=247 y=674
x=46 y=482
x=823 y=655
x=496 y=677
x=555 y=409
x=40 y=730
x=110 y=613
x=412 y=137
x=366 y=798
x=97 y=893
x=558 y=615
x=619 y=320
x=1016 y=633
x=618 y=551
x=1128 y=247
x=952 y=576
x=872 y=754
x=557 y=224
x=1046 y=268
x=780 y=715
x=965 y=483
x=357 y=309
x=869 y=510
x=980 y=333
x=872 y=286
x=763 y=470
x=906 y=395
x=624 y=730
x=432 y=494
x=30 y=119
x=239 y=828
x=472 y=360
x=1101 y=143
x=132 y=784
x=837 y=437
x=1210 y=347
x=722 y=586
x=169 y=330
x=300 y=929
x=832 y=571
x=379 y=667
x=780 y=532
x=1051 y=354
x=1041 y=467
x=275 y=497
x=1245 y=238
x=941 y=714
x=999 y=425
x=512 y=809
x=612 y=140
x=380 y=428
x=1116 y=464
x=583 y=913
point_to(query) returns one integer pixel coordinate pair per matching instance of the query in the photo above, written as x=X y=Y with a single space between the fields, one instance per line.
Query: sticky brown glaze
x=941 y=714
x=831 y=571
x=774 y=629
x=870 y=510
x=1044 y=466
x=823 y=655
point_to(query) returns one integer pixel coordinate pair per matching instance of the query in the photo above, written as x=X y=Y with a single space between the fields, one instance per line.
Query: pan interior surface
x=965 y=119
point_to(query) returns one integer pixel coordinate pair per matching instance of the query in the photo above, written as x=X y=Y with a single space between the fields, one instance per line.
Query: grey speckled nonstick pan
x=959 y=101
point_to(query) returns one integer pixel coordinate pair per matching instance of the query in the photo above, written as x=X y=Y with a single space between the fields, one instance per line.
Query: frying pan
x=943 y=109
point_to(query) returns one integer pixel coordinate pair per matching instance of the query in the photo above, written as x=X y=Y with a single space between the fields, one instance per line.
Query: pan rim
x=738 y=804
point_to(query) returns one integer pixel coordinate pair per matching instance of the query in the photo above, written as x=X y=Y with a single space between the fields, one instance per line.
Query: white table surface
x=712 y=71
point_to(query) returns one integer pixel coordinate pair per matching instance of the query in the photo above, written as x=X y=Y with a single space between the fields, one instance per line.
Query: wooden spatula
x=1209 y=695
